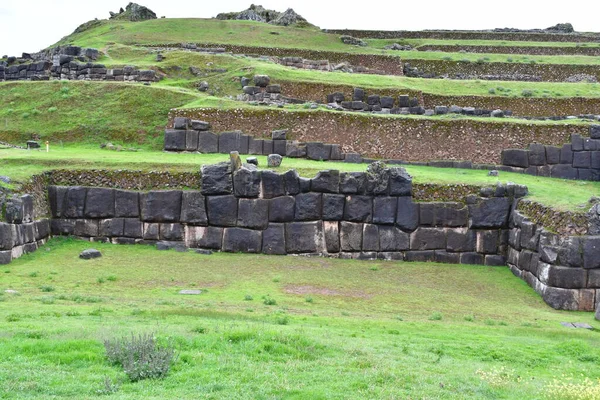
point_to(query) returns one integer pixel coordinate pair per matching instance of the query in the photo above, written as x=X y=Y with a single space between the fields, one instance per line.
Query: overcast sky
x=31 y=25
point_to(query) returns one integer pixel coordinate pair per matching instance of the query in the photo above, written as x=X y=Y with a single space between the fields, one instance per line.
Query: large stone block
x=161 y=206
x=582 y=159
x=175 y=140
x=318 y=151
x=537 y=154
x=332 y=236
x=291 y=181
x=370 y=237
x=515 y=158
x=490 y=213
x=428 y=239
x=461 y=240
x=295 y=149
x=449 y=214
x=127 y=204
x=472 y=258
x=62 y=226
x=222 y=210
x=133 y=228
x=333 y=206
x=304 y=237
x=353 y=182
x=255 y=146
x=100 y=203
x=570 y=253
x=208 y=142
x=273 y=239
x=568 y=299
x=407 y=216
x=566 y=154
x=246 y=182
x=217 y=179
x=272 y=185
x=400 y=183
x=563 y=171
x=393 y=239
x=308 y=206
x=151 y=231
x=191 y=140
x=111 y=227
x=230 y=141
x=326 y=182
x=253 y=213
x=553 y=155
x=74 y=202
x=487 y=242
x=351 y=236
x=420 y=256
x=442 y=256
x=6 y=237
x=282 y=209
x=204 y=237
x=591 y=251
x=86 y=228
x=384 y=210
x=359 y=208
x=239 y=240
x=566 y=277
x=56 y=196
x=193 y=208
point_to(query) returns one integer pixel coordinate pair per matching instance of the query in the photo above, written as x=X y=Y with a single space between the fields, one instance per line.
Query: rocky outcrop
x=261 y=14
x=134 y=12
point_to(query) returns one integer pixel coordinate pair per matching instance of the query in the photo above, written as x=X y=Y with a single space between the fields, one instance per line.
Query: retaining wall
x=67 y=68
x=508 y=50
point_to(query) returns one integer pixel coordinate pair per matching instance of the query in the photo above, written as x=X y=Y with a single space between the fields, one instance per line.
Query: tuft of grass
x=269 y=301
x=47 y=288
x=436 y=316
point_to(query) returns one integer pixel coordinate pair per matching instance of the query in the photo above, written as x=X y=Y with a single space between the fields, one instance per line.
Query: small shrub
x=33 y=274
x=111 y=278
x=47 y=288
x=447 y=58
x=527 y=93
x=276 y=279
x=101 y=279
x=283 y=320
x=269 y=301
x=492 y=91
x=52 y=109
x=374 y=268
x=64 y=90
x=469 y=318
x=309 y=299
x=25 y=115
x=248 y=297
x=140 y=356
x=480 y=61
x=509 y=59
x=13 y=317
x=47 y=300
x=345 y=313
x=489 y=322
x=35 y=112
x=108 y=387
x=394 y=332
x=200 y=329
x=436 y=316
x=72 y=314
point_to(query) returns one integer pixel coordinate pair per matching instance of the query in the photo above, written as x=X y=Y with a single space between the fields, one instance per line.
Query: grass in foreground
x=22 y=164
x=331 y=329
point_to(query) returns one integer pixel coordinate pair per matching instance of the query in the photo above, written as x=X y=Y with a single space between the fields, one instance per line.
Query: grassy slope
x=20 y=165
x=87 y=111
x=340 y=329
x=257 y=34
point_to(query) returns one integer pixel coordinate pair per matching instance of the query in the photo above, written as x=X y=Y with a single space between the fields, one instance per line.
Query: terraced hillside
x=491 y=150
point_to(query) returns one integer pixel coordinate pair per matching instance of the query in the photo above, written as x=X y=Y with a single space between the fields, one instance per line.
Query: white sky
x=31 y=25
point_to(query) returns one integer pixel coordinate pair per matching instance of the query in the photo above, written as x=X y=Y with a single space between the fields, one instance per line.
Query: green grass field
x=339 y=329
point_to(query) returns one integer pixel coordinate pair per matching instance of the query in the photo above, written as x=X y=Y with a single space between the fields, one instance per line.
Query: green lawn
x=339 y=329
x=22 y=164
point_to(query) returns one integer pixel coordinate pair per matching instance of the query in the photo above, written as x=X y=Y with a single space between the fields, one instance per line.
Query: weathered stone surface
x=351 y=236
x=62 y=226
x=222 y=210
x=393 y=239
x=472 y=258
x=515 y=158
x=111 y=227
x=88 y=254
x=280 y=147
x=295 y=149
x=358 y=208
x=407 y=216
x=304 y=237
x=332 y=236
x=384 y=210
x=246 y=182
x=280 y=134
x=428 y=239
x=262 y=80
x=127 y=204
x=274 y=160
x=291 y=181
x=400 y=182
x=161 y=206
x=420 y=256
x=487 y=242
x=199 y=125
x=208 y=237
x=333 y=206
x=253 y=213
x=56 y=196
x=461 y=240
x=193 y=208
x=442 y=256
x=352 y=182
x=564 y=171
x=74 y=202
x=370 y=237
x=86 y=228
x=133 y=228
x=566 y=277
x=100 y=203
x=151 y=231
x=175 y=140
x=217 y=179
x=255 y=146
x=208 y=142
x=490 y=213
x=191 y=140
x=537 y=154
x=273 y=239
x=591 y=251
x=230 y=141
x=272 y=185
x=318 y=151
x=326 y=182
x=242 y=240
x=308 y=206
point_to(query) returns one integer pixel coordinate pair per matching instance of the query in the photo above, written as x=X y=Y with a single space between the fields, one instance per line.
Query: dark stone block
x=444 y=257
x=400 y=182
x=267 y=147
x=181 y=123
x=403 y=101
x=200 y=125
x=537 y=154
x=576 y=142
x=407 y=216
x=151 y=231
x=56 y=197
x=358 y=94
x=273 y=239
x=493 y=260
x=564 y=171
x=222 y=210
x=333 y=206
x=272 y=185
x=161 y=206
x=393 y=239
x=487 y=242
x=205 y=237
x=353 y=182
x=191 y=140
x=5 y=257
x=175 y=140
x=594 y=131
x=295 y=149
x=387 y=102
x=326 y=182
x=420 y=256
x=253 y=213
x=428 y=239
x=308 y=206
x=100 y=203
x=544 y=171
x=237 y=240
x=373 y=100
x=282 y=209
x=472 y=258
x=515 y=158
x=255 y=146
x=7 y=237
x=358 y=208
x=74 y=202
x=291 y=181
x=336 y=152
x=390 y=256
x=62 y=227
x=230 y=141
x=133 y=228
x=591 y=252
x=585 y=174
x=318 y=151
x=461 y=240
x=595 y=160
x=246 y=182
x=351 y=236
x=384 y=210
x=490 y=213
x=370 y=237
x=111 y=227
x=193 y=208
x=280 y=147
x=582 y=159
x=570 y=254
x=304 y=237
x=208 y=142
x=566 y=278
x=449 y=214
x=127 y=204
x=590 y=144
x=331 y=232
x=594 y=280
x=217 y=179
x=304 y=185
x=86 y=228
x=566 y=154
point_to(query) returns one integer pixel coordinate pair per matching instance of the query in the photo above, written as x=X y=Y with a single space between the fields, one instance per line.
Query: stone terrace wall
x=72 y=70
x=388 y=65
x=579 y=159
x=390 y=137
x=505 y=71
x=525 y=107
x=469 y=35
x=523 y=50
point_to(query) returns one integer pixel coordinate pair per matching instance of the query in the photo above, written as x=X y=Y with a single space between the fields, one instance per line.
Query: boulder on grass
x=88 y=254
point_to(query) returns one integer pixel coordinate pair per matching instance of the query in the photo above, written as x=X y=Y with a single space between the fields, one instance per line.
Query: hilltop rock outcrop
x=134 y=12
x=261 y=14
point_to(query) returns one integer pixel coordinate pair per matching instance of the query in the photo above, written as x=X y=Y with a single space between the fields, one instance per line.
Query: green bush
x=140 y=356
x=527 y=93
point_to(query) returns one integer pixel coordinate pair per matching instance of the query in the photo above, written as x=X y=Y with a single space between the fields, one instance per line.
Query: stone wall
x=512 y=50
x=469 y=35
x=389 y=137
x=579 y=159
